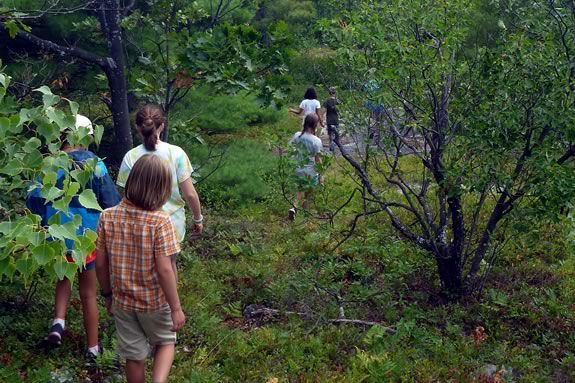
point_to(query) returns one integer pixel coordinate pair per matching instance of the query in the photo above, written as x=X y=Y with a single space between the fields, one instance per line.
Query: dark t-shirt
x=331 y=111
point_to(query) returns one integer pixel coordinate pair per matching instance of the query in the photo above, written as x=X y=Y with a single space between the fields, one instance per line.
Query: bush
x=223 y=113
x=315 y=66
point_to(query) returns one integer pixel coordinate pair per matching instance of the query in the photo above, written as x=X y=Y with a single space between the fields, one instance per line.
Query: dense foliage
x=31 y=138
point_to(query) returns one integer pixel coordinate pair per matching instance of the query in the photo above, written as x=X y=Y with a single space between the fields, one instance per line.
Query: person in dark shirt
x=331 y=117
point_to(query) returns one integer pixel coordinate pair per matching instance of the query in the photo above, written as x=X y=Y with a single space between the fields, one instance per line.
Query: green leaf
x=25 y=116
x=54 y=220
x=98 y=133
x=62 y=204
x=91 y=235
x=83 y=247
x=72 y=189
x=44 y=90
x=33 y=159
x=26 y=266
x=44 y=253
x=4 y=126
x=50 y=99
x=7 y=267
x=82 y=176
x=60 y=118
x=50 y=178
x=12 y=168
x=7 y=227
x=88 y=199
x=4 y=80
x=31 y=144
x=51 y=194
x=47 y=130
x=65 y=269
x=73 y=107
x=235 y=249
x=65 y=231
x=36 y=238
x=12 y=28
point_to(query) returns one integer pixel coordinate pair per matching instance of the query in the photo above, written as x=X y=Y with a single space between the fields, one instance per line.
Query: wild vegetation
x=438 y=249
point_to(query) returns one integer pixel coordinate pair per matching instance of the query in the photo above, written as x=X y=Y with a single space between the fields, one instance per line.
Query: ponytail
x=149 y=119
x=310 y=123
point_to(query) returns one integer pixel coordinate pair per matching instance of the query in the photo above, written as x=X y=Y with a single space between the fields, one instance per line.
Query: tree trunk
x=110 y=19
x=120 y=115
x=450 y=275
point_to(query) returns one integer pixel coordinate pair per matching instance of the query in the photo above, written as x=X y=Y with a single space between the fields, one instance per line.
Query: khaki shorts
x=137 y=332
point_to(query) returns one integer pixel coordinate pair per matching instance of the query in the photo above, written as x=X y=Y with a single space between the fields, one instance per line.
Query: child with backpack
x=135 y=247
x=107 y=195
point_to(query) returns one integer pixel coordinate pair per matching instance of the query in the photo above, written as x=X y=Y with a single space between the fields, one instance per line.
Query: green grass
x=217 y=114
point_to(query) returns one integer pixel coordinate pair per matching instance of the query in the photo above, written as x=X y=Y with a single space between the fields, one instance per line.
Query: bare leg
x=298 y=197
x=163 y=360
x=135 y=371
x=88 y=293
x=63 y=291
x=305 y=204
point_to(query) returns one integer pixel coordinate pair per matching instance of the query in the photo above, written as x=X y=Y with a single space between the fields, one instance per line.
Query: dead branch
x=255 y=311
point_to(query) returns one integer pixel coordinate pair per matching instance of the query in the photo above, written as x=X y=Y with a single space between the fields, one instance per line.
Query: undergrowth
x=522 y=329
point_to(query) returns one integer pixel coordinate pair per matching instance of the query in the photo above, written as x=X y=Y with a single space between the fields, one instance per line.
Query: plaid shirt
x=133 y=238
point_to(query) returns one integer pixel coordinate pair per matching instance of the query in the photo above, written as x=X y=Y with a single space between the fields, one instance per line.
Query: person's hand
x=197 y=230
x=109 y=302
x=178 y=319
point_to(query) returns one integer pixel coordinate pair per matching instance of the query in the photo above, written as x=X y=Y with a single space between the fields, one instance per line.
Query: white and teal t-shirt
x=181 y=171
x=307 y=147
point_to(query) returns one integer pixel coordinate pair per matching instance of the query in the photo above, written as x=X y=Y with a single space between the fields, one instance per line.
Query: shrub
x=31 y=142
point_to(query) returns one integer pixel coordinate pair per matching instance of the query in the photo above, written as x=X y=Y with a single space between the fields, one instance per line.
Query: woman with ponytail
x=149 y=124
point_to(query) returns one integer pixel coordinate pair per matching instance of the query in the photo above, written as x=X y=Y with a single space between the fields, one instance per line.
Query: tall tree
x=110 y=14
x=169 y=48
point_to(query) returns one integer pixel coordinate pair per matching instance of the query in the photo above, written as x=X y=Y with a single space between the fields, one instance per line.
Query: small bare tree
x=486 y=128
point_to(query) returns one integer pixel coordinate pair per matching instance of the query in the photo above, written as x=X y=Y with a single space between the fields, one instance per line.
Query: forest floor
x=263 y=297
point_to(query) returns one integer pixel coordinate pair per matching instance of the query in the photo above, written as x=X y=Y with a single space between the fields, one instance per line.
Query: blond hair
x=149 y=184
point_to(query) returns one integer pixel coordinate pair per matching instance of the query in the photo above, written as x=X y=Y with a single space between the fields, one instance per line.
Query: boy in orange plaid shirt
x=136 y=242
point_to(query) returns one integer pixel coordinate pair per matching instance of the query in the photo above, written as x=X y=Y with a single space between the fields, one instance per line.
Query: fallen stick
x=253 y=311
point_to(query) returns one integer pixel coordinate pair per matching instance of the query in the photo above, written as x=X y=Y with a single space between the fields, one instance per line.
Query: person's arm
x=167 y=280
x=184 y=172
x=103 y=267
x=123 y=174
x=318 y=112
x=191 y=196
x=318 y=161
x=165 y=246
x=295 y=111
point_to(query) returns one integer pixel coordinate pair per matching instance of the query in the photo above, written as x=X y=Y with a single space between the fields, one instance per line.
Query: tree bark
x=450 y=275
x=110 y=18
